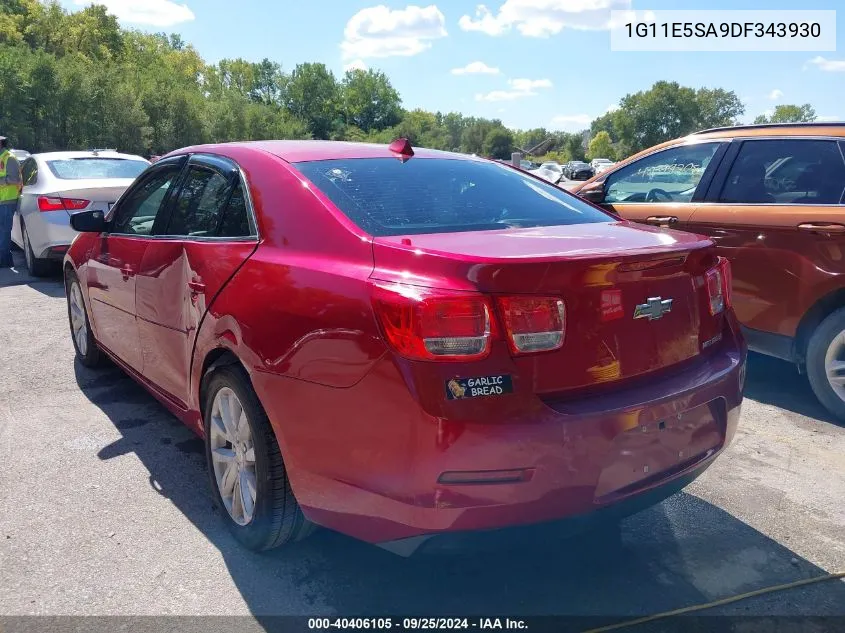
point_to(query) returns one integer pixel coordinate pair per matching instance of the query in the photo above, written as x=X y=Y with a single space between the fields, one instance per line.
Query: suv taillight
x=718 y=282
x=533 y=324
x=424 y=324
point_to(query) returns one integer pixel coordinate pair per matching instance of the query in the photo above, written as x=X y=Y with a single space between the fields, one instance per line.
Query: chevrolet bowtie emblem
x=653 y=308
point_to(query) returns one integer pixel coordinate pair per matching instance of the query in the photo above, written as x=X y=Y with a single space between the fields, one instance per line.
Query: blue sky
x=545 y=62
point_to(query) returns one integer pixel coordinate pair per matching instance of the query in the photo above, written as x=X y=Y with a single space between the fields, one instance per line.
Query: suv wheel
x=248 y=478
x=826 y=363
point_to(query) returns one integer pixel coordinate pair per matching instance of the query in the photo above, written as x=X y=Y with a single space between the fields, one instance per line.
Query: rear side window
x=29 y=171
x=235 y=222
x=200 y=203
x=789 y=171
x=385 y=197
x=82 y=168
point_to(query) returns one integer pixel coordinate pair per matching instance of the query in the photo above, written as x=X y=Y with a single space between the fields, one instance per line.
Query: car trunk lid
x=634 y=297
x=100 y=194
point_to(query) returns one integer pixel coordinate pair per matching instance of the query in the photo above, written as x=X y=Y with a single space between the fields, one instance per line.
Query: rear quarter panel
x=298 y=315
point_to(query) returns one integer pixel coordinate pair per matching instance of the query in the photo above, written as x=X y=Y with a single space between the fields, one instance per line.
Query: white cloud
x=520 y=88
x=828 y=65
x=542 y=18
x=159 y=13
x=358 y=64
x=776 y=95
x=527 y=85
x=503 y=95
x=383 y=32
x=475 y=68
x=572 y=121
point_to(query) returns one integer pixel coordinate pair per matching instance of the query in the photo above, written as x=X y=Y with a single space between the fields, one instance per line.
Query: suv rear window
x=386 y=197
x=82 y=168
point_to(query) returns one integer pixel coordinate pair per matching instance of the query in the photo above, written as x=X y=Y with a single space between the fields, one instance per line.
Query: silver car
x=58 y=184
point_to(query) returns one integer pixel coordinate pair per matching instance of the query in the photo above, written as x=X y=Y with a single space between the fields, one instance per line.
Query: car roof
x=815 y=128
x=296 y=151
x=87 y=154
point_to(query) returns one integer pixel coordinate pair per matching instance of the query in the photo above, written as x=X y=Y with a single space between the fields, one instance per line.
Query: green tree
x=666 y=111
x=370 y=102
x=498 y=143
x=574 y=147
x=313 y=95
x=601 y=146
x=789 y=114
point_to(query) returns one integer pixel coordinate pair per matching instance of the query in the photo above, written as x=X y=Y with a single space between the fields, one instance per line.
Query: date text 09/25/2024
x=416 y=624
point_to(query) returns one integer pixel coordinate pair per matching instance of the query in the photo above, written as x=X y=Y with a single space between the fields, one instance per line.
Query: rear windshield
x=385 y=197
x=80 y=168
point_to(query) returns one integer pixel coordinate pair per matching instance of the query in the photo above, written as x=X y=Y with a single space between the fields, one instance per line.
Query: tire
x=822 y=341
x=37 y=266
x=87 y=350
x=276 y=518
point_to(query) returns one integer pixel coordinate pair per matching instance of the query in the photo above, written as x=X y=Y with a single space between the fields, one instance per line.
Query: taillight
x=718 y=283
x=434 y=325
x=533 y=324
x=49 y=203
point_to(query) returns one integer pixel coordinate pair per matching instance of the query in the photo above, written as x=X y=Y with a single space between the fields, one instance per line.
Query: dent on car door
x=661 y=189
x=774 y=208
x=115 y=260
x=209 y=233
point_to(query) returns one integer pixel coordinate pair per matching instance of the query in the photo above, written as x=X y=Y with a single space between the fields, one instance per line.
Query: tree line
x=72 y=80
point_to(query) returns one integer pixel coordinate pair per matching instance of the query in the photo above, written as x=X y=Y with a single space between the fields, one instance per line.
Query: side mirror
x=593 y=192
x=88 y=222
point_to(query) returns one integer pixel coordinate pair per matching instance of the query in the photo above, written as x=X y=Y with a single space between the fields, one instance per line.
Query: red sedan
x=398 y=344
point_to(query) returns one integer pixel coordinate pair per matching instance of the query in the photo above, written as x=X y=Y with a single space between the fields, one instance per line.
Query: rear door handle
x=661 y=220
x=822 y=227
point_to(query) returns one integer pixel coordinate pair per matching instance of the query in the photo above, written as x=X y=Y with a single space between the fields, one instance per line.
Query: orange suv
x=771 y=198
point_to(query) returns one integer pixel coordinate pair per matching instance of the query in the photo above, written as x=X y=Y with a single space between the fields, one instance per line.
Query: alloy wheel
x=233 y=456
x=834 y=365
x=78 y=325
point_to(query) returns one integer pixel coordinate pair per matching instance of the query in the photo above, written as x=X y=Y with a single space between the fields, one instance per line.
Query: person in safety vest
x=10 y=191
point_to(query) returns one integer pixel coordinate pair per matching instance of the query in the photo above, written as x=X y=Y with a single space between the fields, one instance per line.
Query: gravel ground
x=105 y=511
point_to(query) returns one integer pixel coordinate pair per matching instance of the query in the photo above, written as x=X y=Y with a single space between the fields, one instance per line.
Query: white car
x=551 y=171
x=59 y=184
x=601 y=164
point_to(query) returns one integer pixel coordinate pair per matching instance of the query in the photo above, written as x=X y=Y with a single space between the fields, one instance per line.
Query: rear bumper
x=368 y=460
x=494 y=539
x=49 y=233
x=770 y=344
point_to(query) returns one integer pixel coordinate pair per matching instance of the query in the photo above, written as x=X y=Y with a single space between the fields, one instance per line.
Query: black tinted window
x=438 y=195
x=786 y=172
x=235 y=219
x=200 y=204
x=137 y=213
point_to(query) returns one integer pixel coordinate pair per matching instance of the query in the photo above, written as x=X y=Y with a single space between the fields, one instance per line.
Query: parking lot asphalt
x=105 y=510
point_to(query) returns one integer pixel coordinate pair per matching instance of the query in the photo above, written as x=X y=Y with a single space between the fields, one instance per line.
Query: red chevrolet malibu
x=399 y=344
